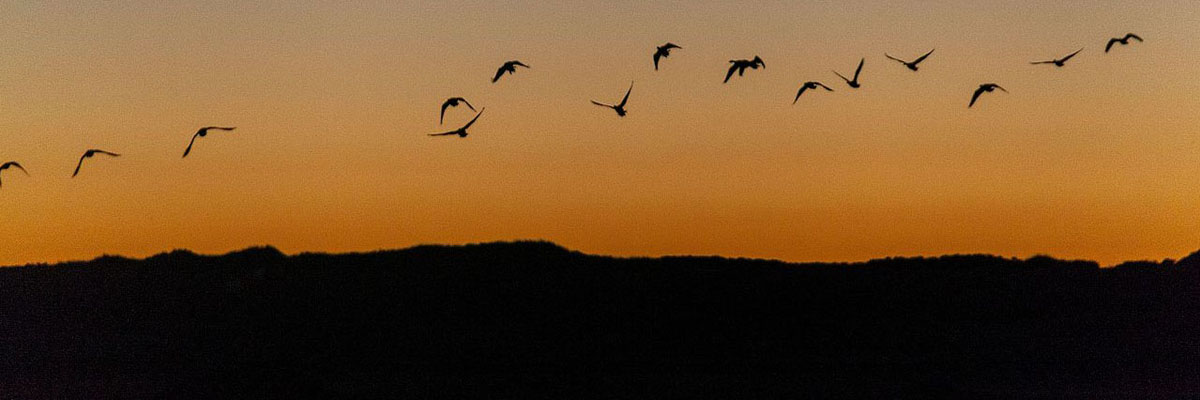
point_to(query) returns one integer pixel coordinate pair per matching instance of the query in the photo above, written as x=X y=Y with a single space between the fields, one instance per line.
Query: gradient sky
x=1097 y=160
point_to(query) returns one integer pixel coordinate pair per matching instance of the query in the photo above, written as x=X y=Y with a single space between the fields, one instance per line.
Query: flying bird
x=853 y=82
x=461 y=132
x=984 y=88
x=810 y=85
x=11 y=164
x=453 y=102
x=741 y=65
x=619 y=108
x=509 y=67
x=202 y=133
x=1123 y=41
x=89 y=154
x=663 y=51
x=911 y=65
x=1058 y=62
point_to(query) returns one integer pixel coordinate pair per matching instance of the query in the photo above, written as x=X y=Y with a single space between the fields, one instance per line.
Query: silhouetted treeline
x=534 y=320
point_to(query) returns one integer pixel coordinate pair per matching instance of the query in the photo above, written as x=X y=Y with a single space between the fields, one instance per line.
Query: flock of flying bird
x=738 y=66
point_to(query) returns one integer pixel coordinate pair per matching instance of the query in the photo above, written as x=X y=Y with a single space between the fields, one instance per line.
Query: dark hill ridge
x=535 y=320
x=544 y=248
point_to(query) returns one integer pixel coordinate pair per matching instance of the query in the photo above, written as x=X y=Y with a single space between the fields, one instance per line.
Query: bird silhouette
x=89 y=154
x=663 y=51
x=453 y=102
x=853 y=82
x=810 y=85
x=1060 y=61
x=911 y=65
x=11 y=164
x=741 y=65
x=619 y=108
x=1122 y=40
x=202 y=133
x=461 y=132
x=509 y=67
x=984 y=88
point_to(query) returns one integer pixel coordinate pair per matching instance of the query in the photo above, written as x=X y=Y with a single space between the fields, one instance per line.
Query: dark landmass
x=533 y=320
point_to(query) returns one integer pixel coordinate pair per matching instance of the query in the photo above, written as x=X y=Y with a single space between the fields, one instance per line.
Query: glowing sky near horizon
x=332 y=100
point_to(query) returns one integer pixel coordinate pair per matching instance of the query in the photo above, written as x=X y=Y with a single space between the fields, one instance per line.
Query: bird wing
x=444 y=133
x=499 y=73
x=626 y=98
x=601 y=104
x=840 y=76
x=14 y=164
x=79 y=165
x=1110 y=44
x=1132 y=36
x=520 y=64
x=798 y=93
x=975 y=96
x=730 y=73
x=1001 y=89
x=670 y=45
x=922 y=58
x=894 y=58
x=442 y=117
x=219 y=128
x=1042 y=62
x=1068 y=57
x=109 y=153
x=189 y=148
x=823 y=85
x=468 y=104
x=657 y=55
x=468 y=125
x=859 y=69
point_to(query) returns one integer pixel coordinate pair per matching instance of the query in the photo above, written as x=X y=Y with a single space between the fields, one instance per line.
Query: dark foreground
x=532 y=320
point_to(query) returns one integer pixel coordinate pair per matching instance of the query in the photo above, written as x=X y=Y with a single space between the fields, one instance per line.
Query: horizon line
x=520 y=242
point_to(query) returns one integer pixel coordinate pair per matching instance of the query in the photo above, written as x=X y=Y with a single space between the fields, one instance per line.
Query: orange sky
x=1097 y=160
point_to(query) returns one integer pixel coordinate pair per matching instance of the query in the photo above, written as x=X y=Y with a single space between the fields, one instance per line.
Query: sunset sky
x=333 y=101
